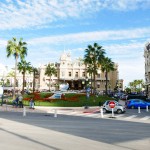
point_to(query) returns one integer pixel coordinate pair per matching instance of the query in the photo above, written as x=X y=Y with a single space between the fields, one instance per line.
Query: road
x=42 y=131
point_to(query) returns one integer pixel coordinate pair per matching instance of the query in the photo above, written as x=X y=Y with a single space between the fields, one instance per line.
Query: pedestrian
x=31 y=103
x=20 y=101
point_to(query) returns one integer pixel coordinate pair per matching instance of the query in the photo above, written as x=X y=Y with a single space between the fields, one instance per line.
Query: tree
x=106 y=66
x=94 y=56
x=90 y=70
x=24 y=67
x=49 y=71
x=35 y=73
x=17 y=49
x=136 y=85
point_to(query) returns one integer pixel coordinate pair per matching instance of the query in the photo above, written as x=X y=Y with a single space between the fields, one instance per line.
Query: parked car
x=118 y=107
x=147 y=100
x=123 y=97
x=135 y=103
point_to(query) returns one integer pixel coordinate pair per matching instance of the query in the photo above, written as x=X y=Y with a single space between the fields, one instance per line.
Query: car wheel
x=104 y=110
x=132 y=107
x=119 y=111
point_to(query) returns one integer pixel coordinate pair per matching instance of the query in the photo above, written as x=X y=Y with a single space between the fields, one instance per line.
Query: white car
x=118 y=107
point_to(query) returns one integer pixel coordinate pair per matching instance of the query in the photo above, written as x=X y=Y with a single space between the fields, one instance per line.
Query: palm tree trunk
x=106 y=75
x=14 y=91
x=23 y=82
x=94 y=88
x=49 y=83
x=94 y=83
x=33 y=81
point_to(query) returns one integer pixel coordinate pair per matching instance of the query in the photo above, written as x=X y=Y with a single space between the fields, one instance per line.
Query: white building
x=74 y=73
x=147 y=67
x=71 y=72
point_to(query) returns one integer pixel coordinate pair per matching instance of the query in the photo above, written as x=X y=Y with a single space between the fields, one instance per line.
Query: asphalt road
x=42 y=131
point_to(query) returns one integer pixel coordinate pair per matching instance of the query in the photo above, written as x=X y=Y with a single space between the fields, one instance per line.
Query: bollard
x=113 y=113
x=24 y=111
x=55 y=113
x=147 y=108
x=139 y=111
x=102 y=114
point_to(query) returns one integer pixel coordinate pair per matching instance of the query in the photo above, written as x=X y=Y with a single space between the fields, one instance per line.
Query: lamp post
x=87 y=93
x=72 y=85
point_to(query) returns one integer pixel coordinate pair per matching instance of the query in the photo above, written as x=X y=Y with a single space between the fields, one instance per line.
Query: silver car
x=118 y=107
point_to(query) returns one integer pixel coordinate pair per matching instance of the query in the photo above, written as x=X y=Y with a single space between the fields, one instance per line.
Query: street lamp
x=87 y=93
x=83 y=82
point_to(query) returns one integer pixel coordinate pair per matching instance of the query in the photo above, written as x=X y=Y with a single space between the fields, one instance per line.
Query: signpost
x=112 y=106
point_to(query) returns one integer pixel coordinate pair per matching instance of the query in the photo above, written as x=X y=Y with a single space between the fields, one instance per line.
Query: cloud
x=125 y=50
x=19 y=14
x=126 y=5
x=3 y=43
x=40 y=13
x=93 y=36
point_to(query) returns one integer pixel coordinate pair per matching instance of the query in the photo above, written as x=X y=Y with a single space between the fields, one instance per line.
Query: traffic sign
x=112 y=104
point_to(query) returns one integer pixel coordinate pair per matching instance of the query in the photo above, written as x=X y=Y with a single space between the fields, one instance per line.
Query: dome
x=65 y=57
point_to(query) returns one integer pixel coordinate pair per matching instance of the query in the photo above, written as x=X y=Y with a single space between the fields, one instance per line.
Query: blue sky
x=51 y=27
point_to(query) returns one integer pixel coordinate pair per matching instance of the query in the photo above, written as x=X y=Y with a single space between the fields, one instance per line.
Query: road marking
x=93 y=115
x=131 y=117
x=98 y=115
x=145 y=118
x=119 y=116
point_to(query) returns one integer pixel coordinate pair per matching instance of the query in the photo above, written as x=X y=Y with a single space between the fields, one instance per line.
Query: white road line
x=121 y=115
x=92 y=115
x=131 y=117
x=145 y=118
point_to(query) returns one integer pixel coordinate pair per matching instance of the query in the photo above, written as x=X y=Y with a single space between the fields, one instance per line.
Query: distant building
x=74 y=73
x=70 y=72
x=147 y=67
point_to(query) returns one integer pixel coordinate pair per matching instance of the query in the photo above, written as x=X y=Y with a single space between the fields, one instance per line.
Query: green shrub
x=69 y=100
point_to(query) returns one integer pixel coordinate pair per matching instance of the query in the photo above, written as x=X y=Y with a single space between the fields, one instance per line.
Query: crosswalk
x=94 y=113
x=125 y=117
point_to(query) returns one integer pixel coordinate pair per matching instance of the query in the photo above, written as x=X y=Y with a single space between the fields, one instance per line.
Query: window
x=69 y=74
x=56 y=75
x=98 y=76
x=63 y=74
x=83 y=74
x=76 y=75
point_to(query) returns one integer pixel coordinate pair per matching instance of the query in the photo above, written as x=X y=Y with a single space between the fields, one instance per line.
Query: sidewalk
x=42 y=109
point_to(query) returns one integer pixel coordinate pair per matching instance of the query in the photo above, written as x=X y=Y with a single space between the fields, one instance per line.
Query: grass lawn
x=70 y=100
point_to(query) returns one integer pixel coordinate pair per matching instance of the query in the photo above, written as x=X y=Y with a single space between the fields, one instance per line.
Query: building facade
x=74 y=73
x=147 y=67
x=70 y=72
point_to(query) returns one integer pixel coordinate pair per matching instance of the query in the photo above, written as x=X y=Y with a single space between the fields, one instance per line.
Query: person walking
x=20 y=98
x=31 y=103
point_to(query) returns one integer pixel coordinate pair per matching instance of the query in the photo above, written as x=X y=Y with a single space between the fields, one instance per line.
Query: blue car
x=135 y=103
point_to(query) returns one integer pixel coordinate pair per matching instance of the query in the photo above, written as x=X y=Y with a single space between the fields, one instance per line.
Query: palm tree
x=24 y=67
x=49 y=71
x=131 y=85
x=17 y=49
x=106 y=66
x=94 y=56
x=35 y=73
x=90 y=71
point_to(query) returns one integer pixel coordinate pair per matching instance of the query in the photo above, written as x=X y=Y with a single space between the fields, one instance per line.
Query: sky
x=51 y=27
